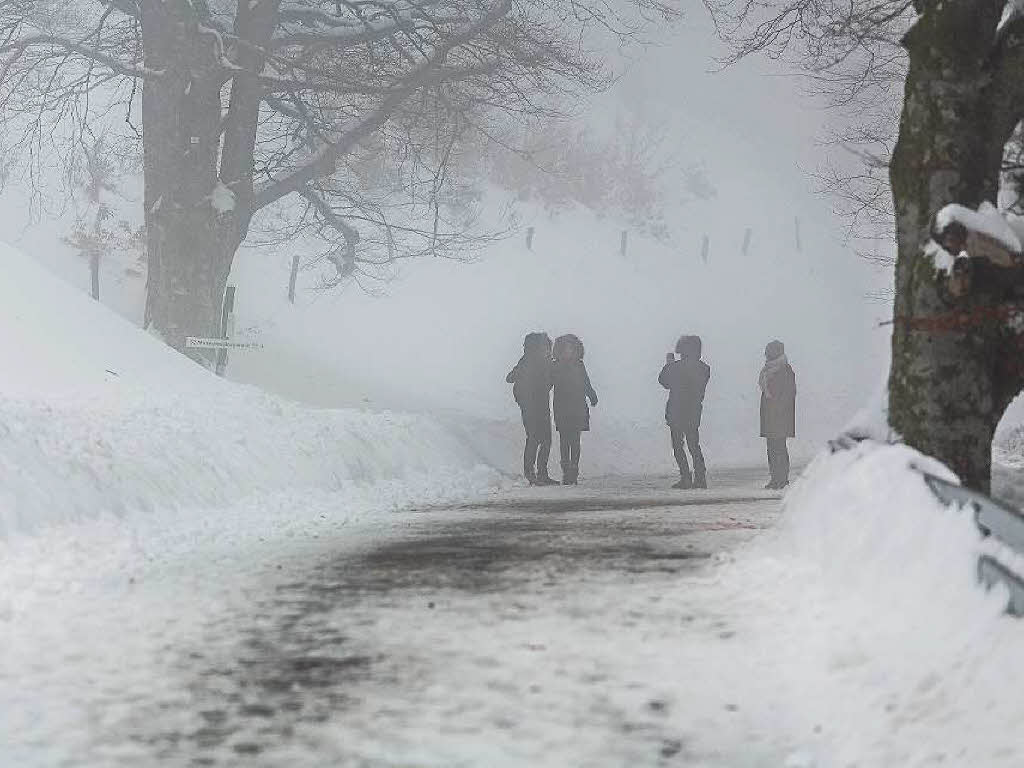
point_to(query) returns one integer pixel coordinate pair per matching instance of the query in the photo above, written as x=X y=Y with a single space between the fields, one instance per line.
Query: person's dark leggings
x=778 y=460
x=681 y=439
x=535 y=458
x=569 y=447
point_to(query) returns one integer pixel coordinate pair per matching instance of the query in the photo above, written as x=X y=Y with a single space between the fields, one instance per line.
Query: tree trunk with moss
x=956 y=359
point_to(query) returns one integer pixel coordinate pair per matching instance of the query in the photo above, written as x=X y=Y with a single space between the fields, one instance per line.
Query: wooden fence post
x=292 y=278
x=746 y=240
x=227 y=320
x=705 y=248
x=529 y=238
x=622 y=243
x=94 y=269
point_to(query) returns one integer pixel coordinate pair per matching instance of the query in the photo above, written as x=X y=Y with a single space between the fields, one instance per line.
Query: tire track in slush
x=293 y=667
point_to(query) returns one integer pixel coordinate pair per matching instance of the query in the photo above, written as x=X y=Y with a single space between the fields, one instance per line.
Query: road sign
x=199 y=342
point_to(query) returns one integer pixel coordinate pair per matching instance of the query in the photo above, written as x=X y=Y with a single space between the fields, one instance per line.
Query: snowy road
x=534 y=627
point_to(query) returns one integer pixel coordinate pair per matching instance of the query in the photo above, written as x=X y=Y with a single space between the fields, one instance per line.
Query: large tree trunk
x=190 y=258
x=191 y=244
x=952 y=374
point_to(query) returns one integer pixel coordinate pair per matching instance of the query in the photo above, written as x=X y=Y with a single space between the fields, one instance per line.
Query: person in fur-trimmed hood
x=778 y=411
x=572 y=390
x=531 y=388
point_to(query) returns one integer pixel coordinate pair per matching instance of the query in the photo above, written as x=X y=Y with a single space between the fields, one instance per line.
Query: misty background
x=741 y=148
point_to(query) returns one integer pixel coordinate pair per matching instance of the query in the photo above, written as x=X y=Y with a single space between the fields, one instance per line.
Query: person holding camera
x=686 y=380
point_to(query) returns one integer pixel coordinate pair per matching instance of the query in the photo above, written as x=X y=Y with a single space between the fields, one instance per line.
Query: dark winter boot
x=544 y=479
x=700 y=481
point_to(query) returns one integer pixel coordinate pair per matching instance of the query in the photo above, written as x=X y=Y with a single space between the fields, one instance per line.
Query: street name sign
x=200 y=342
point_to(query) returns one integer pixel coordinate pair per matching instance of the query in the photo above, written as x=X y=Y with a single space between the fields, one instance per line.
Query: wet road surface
x=491 y=633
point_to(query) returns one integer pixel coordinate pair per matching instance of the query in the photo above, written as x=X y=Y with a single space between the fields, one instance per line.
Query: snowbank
x=871 y=642
x=97 y=417
x=68 y=462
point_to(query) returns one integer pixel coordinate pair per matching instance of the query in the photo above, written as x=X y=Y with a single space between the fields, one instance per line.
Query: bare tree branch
x=324 y=162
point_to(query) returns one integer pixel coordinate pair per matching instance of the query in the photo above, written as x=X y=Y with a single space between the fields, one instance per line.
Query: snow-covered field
x=143 y=500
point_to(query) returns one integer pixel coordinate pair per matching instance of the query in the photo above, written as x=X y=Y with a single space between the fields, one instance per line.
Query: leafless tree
x=312 y=114
x=558 y=165
x=850 y=53
x=101 y=228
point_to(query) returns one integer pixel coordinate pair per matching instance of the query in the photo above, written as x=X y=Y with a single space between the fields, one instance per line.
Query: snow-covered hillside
x=100 y=419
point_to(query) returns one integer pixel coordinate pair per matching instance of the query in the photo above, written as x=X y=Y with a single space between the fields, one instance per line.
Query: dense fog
x=444 y=335
x=741 y=147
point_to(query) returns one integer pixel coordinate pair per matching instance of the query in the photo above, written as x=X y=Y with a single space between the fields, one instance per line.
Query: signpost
x=227 y=327
x=292 y=278
x=225 y=342
x=199 y=342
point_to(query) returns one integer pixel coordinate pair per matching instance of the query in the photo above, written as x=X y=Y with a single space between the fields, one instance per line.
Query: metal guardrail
x=994 y=519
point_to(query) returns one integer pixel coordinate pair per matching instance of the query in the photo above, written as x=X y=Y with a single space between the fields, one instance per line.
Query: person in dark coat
x=531 y=388
x=778 y=411
x=686 y=380
x=572 y=390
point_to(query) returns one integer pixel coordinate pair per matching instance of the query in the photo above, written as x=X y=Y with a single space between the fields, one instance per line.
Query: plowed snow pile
x=97 y=418
x=867 y=640
x=125 y=454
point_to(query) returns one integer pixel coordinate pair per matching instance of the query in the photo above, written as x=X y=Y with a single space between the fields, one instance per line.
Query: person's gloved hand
x=593 y=402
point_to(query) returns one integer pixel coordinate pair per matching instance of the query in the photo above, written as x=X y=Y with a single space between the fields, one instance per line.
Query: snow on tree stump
x=963 y=236
x=985 y=234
